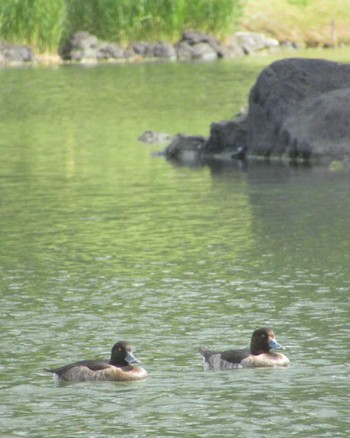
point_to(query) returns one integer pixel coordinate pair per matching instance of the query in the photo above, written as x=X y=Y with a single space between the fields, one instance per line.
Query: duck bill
x=130 y=358
x=274 y=345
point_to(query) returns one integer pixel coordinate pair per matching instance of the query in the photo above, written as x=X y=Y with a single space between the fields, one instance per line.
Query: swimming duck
x=118 y=368
x=259 y=355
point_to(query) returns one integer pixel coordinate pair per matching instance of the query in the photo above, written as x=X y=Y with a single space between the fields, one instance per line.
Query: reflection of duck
x=118 y=368
x=259 y=355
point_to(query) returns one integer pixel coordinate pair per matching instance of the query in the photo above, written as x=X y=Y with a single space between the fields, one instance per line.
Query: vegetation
x=309 y=22
x=38 y=23
x=45 y=23
x=151 y=20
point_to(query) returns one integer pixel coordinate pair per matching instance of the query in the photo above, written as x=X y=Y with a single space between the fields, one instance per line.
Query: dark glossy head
x=264 y=340
x=122 y=354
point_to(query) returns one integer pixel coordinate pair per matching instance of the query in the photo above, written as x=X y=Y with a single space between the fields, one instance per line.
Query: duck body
x=258 y=356
x=118 y=368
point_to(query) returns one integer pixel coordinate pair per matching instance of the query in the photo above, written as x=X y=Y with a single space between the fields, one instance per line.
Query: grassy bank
x=44 y=24
x=312 y=23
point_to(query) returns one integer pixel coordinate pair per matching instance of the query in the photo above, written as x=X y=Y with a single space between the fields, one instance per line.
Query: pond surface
x=101 y=241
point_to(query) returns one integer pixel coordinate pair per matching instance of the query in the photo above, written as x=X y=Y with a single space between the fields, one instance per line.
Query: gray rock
x=193 y=45
x=141 y=48
x=197 y=46
x=251 y=42
x=164 y=51
x=185 y=148
x=228 y=138
x=109 y=51
x=193 y=38
x=84 y=46
x=300 y=107
x=200 y=51
x=15 y=53
x=320 y=128
x=154 y=50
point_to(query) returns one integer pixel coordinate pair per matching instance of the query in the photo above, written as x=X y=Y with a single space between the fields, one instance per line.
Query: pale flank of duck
x=82 y=373
x=118 y=368
x=258 y=356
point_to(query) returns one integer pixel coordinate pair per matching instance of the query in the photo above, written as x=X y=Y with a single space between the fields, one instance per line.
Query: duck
x=258 y=356
x=118 y=368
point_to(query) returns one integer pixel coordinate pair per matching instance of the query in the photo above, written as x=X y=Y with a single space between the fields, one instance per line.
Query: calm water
x=100 y=241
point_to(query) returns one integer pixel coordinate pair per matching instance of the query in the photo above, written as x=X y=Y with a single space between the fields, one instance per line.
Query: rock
x=141 y=48
x=291 y=45
x=228 y=138
x=84 y=46
x=300 y=107
x=197 y=46
x=79 y=46
x=154 y=50
x=15 y=53
x=194 y=38
x=251 y=42
x=201 y=51
x=185 y=148
x=109 y=51
x=320 y=128
x=164 y=51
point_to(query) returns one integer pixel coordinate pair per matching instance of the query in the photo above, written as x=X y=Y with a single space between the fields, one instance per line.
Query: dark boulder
x=228 y=138
x=185 y=148
x=300 y=107
x=320 y=128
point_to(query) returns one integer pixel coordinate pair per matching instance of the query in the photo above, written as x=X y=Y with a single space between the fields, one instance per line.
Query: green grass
x=38 y=23
x=152 y=20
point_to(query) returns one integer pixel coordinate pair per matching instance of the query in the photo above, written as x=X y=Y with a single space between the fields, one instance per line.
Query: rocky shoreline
x=84 y=47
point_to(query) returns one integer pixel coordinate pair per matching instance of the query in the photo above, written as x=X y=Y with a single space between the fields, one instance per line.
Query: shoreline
x=86 y=49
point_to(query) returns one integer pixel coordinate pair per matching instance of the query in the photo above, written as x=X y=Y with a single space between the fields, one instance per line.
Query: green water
x=101 y=241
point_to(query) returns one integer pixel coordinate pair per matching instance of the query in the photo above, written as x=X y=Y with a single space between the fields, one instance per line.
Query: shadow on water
x=256 y=170
x=302 y=204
